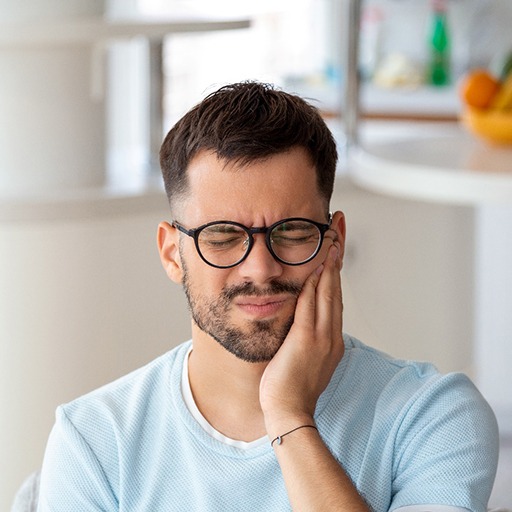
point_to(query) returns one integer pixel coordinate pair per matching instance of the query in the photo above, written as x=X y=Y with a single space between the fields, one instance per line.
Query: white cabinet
x=408 y=276
x=448 y=166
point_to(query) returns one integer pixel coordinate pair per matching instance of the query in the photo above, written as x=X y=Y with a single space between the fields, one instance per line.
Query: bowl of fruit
x=487 y=100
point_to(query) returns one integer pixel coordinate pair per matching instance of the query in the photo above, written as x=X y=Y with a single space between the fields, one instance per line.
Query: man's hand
x=303 y=366
x=291 y=385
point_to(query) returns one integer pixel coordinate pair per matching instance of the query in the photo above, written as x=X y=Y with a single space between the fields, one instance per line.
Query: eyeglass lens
x=225 y=244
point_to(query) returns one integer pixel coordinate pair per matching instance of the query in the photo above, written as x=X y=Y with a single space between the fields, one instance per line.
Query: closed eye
x=291 y=239
x=222 y=242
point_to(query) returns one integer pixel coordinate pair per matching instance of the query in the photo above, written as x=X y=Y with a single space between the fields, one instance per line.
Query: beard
x=259 y=340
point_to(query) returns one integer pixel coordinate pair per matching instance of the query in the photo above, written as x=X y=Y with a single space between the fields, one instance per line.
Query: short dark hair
x=245 y=122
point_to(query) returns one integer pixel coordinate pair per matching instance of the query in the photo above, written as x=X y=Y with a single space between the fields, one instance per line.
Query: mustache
x=250 y=290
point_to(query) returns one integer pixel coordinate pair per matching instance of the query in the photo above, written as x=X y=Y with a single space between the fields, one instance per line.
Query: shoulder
x=97 y=437
x=445 y=444
x=128 y=398
x=409 y=398
x=409 y=385
x=436 y=431
x=384 y=364
x=380 y=377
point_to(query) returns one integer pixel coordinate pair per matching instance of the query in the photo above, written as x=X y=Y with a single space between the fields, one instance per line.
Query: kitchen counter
x=433 y=162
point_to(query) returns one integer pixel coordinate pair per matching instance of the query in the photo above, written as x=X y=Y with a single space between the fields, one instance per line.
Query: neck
x=225 y=388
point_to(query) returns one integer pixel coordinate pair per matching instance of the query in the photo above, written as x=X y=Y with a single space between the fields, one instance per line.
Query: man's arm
x=291 y=386
x=72 y=477
x=314 y=479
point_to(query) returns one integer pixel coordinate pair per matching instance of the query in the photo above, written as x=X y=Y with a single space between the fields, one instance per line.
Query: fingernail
x=319 y=270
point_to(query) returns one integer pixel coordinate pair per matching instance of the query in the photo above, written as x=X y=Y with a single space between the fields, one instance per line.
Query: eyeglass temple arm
x=179 y=227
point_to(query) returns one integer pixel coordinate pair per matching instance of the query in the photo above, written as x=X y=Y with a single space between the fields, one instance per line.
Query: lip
x=261 y=307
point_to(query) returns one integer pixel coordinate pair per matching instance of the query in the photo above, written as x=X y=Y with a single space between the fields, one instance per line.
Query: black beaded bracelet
x=279 y=439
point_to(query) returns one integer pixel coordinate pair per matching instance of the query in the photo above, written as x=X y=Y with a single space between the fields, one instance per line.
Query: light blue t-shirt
x=404 y=433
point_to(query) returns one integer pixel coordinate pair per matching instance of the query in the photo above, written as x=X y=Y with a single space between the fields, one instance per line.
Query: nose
x=260 y=266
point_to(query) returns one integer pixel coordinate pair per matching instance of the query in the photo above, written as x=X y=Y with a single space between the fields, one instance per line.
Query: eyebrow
x=221 y=228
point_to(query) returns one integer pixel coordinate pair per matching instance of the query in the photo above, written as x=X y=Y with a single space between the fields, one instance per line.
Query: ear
x=338 y=224
x=168 y=248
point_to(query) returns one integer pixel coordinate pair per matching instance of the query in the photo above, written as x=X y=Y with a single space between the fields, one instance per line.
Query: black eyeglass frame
x=195 y=232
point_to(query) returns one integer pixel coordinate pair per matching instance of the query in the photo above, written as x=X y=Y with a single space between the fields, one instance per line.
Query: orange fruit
x=478 y=88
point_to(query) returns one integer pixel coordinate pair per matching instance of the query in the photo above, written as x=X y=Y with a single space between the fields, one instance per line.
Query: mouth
x=261 y=307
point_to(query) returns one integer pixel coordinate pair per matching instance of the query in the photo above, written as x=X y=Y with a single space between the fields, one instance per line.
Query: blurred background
x=88 y=88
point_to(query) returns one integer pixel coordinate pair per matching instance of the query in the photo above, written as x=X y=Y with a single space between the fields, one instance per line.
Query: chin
x=257 y=343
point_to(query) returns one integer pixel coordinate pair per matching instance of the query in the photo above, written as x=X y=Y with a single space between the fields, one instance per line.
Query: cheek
x=201 y=279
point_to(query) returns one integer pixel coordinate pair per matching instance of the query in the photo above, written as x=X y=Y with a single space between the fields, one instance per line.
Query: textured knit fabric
x=404 y=433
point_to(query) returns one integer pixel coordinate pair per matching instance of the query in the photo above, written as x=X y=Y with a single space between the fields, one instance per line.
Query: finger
x=337 y=312
x=337 y=322
x=325 y=290
x=331 y=235
x=328 y=299
x=305 y=310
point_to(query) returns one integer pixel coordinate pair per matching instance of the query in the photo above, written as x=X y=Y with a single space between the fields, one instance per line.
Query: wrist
x=279 y=439
x=278 y=424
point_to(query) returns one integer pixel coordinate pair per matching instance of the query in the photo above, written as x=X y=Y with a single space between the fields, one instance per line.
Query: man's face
x=249 y=308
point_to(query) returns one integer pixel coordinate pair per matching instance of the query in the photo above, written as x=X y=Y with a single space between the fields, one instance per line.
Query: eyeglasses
x=224 y=244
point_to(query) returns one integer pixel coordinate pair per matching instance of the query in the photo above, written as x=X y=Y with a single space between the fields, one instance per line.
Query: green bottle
x=439 y=63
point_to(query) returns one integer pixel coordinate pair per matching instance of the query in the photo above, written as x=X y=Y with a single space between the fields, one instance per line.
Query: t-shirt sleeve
x=446 y=447
x=72 y=476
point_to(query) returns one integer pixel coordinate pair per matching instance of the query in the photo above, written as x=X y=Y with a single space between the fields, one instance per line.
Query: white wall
x=83 y=300
x=408 y=285
x=493 y=305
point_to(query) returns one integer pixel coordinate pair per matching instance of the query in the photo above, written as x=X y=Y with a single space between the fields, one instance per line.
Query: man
x=268 y=407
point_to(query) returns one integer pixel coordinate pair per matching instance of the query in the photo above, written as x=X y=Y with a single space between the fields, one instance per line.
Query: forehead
x=266 y=190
